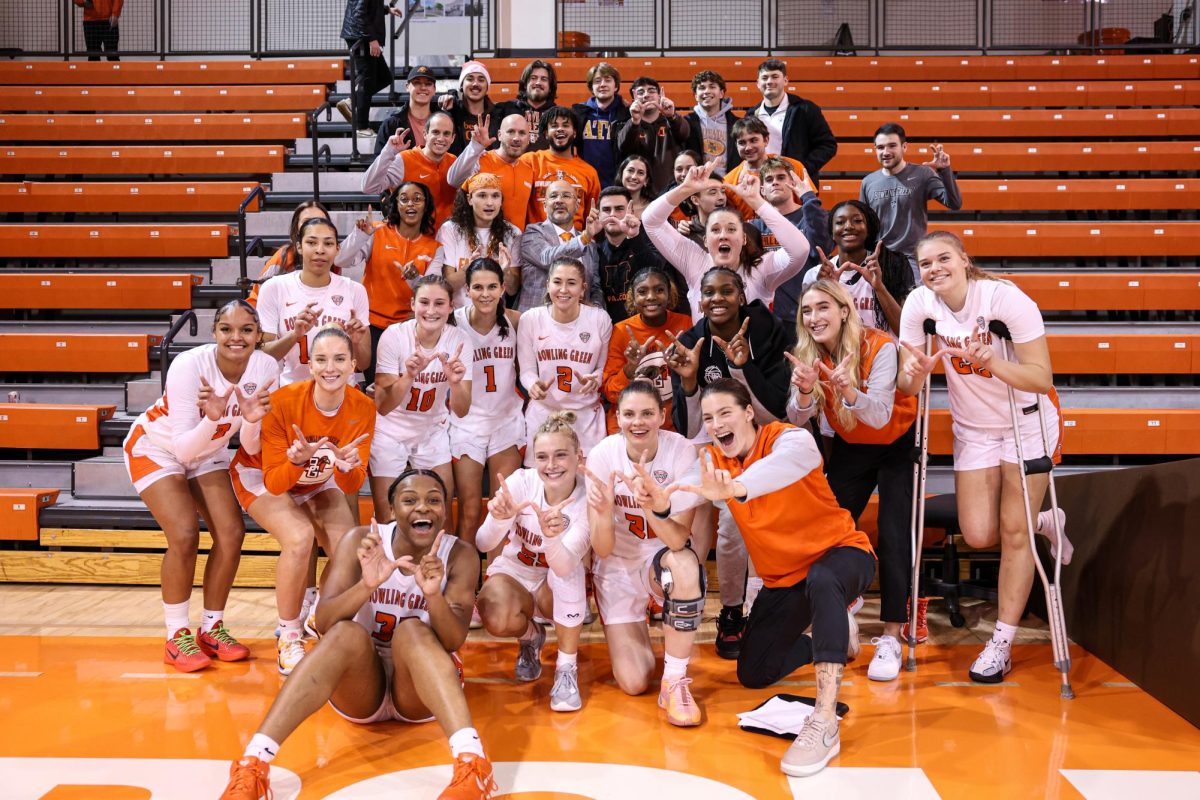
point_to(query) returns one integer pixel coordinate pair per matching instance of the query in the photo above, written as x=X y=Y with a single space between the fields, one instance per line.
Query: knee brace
x=681 y=614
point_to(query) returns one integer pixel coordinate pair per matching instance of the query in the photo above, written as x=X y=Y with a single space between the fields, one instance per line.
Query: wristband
x=662 y=514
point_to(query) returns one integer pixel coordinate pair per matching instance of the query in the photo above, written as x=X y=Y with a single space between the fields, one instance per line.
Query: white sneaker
x=564 y=695
x=853 y=646
x=885 y=666
x=291 y=651
x=366 y=133
x=817 y=743
x=1045 y=527
x=993 y=663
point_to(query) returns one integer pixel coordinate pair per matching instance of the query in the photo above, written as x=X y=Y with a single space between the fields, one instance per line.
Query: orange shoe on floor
x=675 y=697
x=249 y=779
x=472 y=779
x=219 y=643
x=654 y=610
x=183 y=653
x=922 y=623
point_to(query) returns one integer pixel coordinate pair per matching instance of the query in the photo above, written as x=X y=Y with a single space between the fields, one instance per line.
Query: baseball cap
x=421 y=71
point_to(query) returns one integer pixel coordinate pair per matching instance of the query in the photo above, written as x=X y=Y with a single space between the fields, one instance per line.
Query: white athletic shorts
x=147 y=463
x=248 y=486
x=570 y=593
x=389 y=457
x=481 y=442
x=623 y=587
x=980 y=448
x=589 y=426
x=387 y=711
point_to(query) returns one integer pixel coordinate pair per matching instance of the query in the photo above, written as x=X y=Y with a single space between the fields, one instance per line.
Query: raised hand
x=400 y=140
x=211 y=404
x=408 y=271
x=504 y=257
x=839 y=378
x=737 y=349
x=683 y=360
x=502 y=506
x=684 y=227
x=635 y=352
x=666 y=106
x=552 y=521
x=446 y=102
x=804 y=376
x=355 y=328
x=429 y=571
x=601 y=495
x=592 y=224
x=588 y=382
x=376 y=567
x=632 y=225
x=940 y=160
x=538 y=390
x=415 y=364
x=827 y=271
x=635 y=112
x=749 y=188
x=977 y=352
x=254 y=406
x=697 y=177
x=647 y=492
x=715 y=484
x=347 y=458
x=870 y=268
x=365 y=224
x=306 y=320
x=481 y=135
x=301 y=450
x=453 y=366
x=920 y=365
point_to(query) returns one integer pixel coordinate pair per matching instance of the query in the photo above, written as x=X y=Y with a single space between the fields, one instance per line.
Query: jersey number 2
x=963 y=367
x=563 y=377
x=637 y=526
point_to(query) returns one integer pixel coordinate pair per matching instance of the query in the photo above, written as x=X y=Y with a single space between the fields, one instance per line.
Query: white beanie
x=471 y=68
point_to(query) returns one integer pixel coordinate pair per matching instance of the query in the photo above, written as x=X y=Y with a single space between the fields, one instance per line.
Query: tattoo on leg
x=829 y=680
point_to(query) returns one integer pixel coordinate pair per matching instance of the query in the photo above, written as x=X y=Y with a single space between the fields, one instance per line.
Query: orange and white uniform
x=393 y=167
x=283 y=297
x=268 y=471
x=417 y=431
x=532 y=559
x=982 y=424
x=174 y=437
x=547 y=168
x=496 y=421
x=455 y=251
x=614 y=366
x=622 y=578
x=557 y=354
x=516 y=179
x=389 y=294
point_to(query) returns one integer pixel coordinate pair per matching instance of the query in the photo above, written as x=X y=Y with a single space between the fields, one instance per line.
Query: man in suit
x=543 y=242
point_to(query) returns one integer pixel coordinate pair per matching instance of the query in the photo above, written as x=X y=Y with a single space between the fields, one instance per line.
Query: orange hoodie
x=100 y=10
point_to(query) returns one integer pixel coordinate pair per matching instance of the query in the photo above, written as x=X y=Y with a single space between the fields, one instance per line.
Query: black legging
x=371 y=73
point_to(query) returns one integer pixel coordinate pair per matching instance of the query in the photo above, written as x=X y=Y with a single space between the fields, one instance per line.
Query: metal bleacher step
x=204 y=323
x=338 y=146
x=330 y=181
x=102 y=477
x=1080 y=397
x=226 y=271
x=83 y=326
x=142 y=393
x=35 y=474
x=275 y=223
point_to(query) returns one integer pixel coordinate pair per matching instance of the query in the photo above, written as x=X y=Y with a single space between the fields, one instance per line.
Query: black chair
x=941 y=579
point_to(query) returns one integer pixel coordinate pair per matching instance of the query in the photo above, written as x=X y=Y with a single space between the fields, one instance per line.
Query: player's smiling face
x=431 y=307
x=943 y=267
x=822 y=317
x=849 y=229
x=331 y=362
x=650 y=297
x=556 y=459
x=729 y=424
x=565 y=288
x=720 y=298
x=420 y=508
x=236 y=333
x=724 y=239
x=640 y=419
x=485 y=289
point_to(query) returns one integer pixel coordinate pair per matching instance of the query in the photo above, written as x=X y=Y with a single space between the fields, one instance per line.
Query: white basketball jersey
x=559 y=353
x=634 y=538
x=398 y=597
x=525 y=543
x=283 y=297
x=427 y=404
x=493 y=376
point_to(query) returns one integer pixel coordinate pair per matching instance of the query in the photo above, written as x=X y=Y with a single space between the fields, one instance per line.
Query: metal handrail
x=327 y=107
x=243 y=251
x=164 y=352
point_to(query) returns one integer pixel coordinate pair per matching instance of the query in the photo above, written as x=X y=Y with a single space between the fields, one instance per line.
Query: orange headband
x=483 y=180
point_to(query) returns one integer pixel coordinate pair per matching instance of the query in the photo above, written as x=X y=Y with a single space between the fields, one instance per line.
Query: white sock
x=262 y=747
x=209 y=619
x=176 y=615
x=565 y=660
x=465 y=740
x=1004 y=632
x=673 y=667
x=753 y=587
x=290 y=629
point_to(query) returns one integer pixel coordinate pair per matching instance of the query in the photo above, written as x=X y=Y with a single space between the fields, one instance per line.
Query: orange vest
x=788 y=531
x=388 y=294
x=904 y=407
x=420 y=169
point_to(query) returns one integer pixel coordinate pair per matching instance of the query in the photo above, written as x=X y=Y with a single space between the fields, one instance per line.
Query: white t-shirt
x=977 y=400
x=634 y=538
x=558 y=353
x=862 y=294
x=283 y=297
x=176 y=424
x=427 y=405
x=455 y=251
x=493 y=377
x=527 y=545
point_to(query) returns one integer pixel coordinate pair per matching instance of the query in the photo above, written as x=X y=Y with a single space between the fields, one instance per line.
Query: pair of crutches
x=1056 y=618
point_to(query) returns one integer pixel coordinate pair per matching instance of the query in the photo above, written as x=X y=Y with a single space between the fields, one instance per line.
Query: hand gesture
x=635 y=112
x=749 y=187
x=504 y=257
x=551 y=520
x=647 y=492
x=839 y=378
x=302 y=450
x=683 y=360
x=940 y=160
x=697 y=177
x=400 y=139
x=364 y=224
x=347 y=458
x=429 y=571
x=355 y=328
x=666 y=106
x=870 y=268
x=211 y=404
x=589 y=382
x=254 y=406
x=635 y=352
x=684 y=226
x=538 y=390
x=977 y=352
x=408 y=271
x=737 y=349
x=306 y=320
x=481 y=134
x=502 y=506
x=376 y=567
x=803 y=186
x=416 y=363
x=446 y=101
x=804 y=376
x=592 y=224
x=827 y=271
x=601 y=495
x=455 y=369
x=632 y=225
x=715 y=484
x=919 y=365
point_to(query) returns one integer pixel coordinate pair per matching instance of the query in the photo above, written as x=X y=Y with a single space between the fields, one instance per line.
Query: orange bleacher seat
x=57 y=99
x=1116 y=291
x=172 y=73
x=1104 y=431
x=1008 y=157
x=1075 y=239
x=254 y=159
x=97 y=290
x=945 y=124
x=52 y=426
x=114 y=241
x=152 y=127
x=19 y=512
x=133 y=198
x=76 y=352
x=1054 y=195
x=1123 y=353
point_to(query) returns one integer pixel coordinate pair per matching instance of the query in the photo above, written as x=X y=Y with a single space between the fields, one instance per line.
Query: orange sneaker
x=249 y=779
x=676 y=698
x=184 y=654
x=922 y=623
x=220 y=643
x=472 y=779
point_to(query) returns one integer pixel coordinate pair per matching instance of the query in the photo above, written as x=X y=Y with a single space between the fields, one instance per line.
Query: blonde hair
x=974 y=273
x=558 y=422
x=849 y=343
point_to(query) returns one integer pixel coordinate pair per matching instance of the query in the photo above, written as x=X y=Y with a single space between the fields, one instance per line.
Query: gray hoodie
x=714 y=134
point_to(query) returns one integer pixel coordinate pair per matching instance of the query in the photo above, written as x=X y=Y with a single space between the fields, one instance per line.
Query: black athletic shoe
x=730 y=625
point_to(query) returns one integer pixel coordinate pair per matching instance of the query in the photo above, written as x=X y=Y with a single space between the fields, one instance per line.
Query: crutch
x=920 y=458
x=1037 y=466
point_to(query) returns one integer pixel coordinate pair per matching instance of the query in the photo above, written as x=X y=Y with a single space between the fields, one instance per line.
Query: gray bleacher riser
x=338 y=146
x=35 y=475
x=275 y=223
x=226 y=271
x=143 y=393
x=330 y=182
x=204 y=322
x=103 y=476
x=99 y=393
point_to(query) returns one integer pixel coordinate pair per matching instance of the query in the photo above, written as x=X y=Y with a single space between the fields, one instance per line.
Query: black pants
x=371 y=73
x=775 y=644
x=99 y=35
x=368 y=370
x=854 y=470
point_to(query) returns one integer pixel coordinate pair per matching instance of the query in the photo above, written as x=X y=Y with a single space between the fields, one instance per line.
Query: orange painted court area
x=925 y=735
